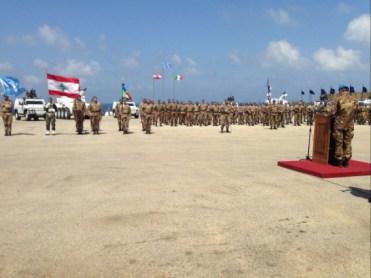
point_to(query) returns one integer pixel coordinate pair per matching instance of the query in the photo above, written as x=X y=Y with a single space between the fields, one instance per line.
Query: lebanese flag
x=157 y=76
x=178 y=77
x=63 y=86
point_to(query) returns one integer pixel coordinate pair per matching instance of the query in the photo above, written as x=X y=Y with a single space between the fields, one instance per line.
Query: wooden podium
x=322 y=138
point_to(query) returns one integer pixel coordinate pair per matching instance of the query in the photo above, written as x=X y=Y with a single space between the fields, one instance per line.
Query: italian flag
x=178 y=77
x=63 y=86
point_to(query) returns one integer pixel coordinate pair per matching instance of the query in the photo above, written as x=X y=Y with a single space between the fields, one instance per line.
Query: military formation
x=344 y=110
x=272 y=115
x=178 y=113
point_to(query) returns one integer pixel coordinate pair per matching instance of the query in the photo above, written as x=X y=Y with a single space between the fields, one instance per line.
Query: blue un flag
x=11 y=86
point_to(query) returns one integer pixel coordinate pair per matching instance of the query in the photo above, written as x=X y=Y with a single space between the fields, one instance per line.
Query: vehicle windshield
x=34 y=102
x=131 y=104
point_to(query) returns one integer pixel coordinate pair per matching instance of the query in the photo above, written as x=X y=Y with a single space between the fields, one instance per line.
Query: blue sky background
x=221 y=47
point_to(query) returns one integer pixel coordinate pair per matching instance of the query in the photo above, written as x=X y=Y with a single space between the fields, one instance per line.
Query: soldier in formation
x=6 y=110
x=79 y=110
x=95 y=112
x=118 y=113
x=50 y=110
x=146 y=115
x=226 y=112
x=125 y=116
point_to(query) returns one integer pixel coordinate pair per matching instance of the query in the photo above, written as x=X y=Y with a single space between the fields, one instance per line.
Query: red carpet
x=356 y=168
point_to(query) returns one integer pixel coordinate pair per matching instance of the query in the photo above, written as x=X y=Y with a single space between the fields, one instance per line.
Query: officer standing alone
x=343 y=129
x=6 y=109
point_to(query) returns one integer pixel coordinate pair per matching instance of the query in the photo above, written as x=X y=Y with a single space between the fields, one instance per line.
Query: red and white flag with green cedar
x=178 y=77
x=63 y=86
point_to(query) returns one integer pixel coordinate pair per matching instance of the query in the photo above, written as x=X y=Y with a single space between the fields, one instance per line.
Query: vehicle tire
x=17 y=117
x=36 y=118
x=136 y=116
x=68 y=114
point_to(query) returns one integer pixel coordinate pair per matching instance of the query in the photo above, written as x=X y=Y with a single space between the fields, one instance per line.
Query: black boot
x=346 y=163
x=338 y=163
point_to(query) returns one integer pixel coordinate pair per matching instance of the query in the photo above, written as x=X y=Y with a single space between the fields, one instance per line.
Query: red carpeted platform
x=356 y=168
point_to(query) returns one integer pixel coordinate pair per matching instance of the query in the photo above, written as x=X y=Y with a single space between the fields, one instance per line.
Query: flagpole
x=163 y=83
x=173 y=89
x=153 y=88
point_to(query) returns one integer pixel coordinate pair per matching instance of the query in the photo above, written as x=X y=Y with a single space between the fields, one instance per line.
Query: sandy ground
x=182 y=202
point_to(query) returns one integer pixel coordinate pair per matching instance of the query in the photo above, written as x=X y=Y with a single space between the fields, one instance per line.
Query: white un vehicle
x=29 y=108
x=133 y=107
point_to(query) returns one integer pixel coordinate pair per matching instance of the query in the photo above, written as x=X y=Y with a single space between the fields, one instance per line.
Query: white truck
x=133 y=107
x=29 y=108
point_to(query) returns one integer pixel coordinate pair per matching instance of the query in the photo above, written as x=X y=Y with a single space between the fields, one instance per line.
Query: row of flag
x=158 y=76
x=332 y=91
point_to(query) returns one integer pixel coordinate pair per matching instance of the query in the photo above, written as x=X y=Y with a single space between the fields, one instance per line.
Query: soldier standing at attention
x=125 y=117
x=343 y=130
x=79 y=110
x=6 y=109
x=147 y=113
x=118 y=112
x=310 y=114
x=296 y=115
x=50 y=109
x=273 y=111
x=95 y=110
x=226 y=111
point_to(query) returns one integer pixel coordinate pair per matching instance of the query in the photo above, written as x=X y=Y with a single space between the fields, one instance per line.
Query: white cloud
x=79 y=68
x=176 y=59
x=40 y=63
x=31 y=80
x=234 y=57
x=191 y=68
x=358 y=29
x=22 y=39
x=282 y=52
x=280 y=16
x=132 y=62
x=55 y=37
x=343 y=7
x=337 y=60
x=5 y=66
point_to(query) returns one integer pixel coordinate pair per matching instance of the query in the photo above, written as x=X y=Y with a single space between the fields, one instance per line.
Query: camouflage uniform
x=50 y=109
x=118 y=113
x=226 y=111
x=79 y=110
x=273 y=116
x=95 y=110
x=6 y=113
x=343 y=129
x=147 y=116
x=125 y=117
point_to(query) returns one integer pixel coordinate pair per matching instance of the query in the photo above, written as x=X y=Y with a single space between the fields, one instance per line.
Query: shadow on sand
x=360 y=192
x=23 y=134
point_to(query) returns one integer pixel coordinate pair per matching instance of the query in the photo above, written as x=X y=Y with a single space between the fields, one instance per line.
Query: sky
x=221 y=48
